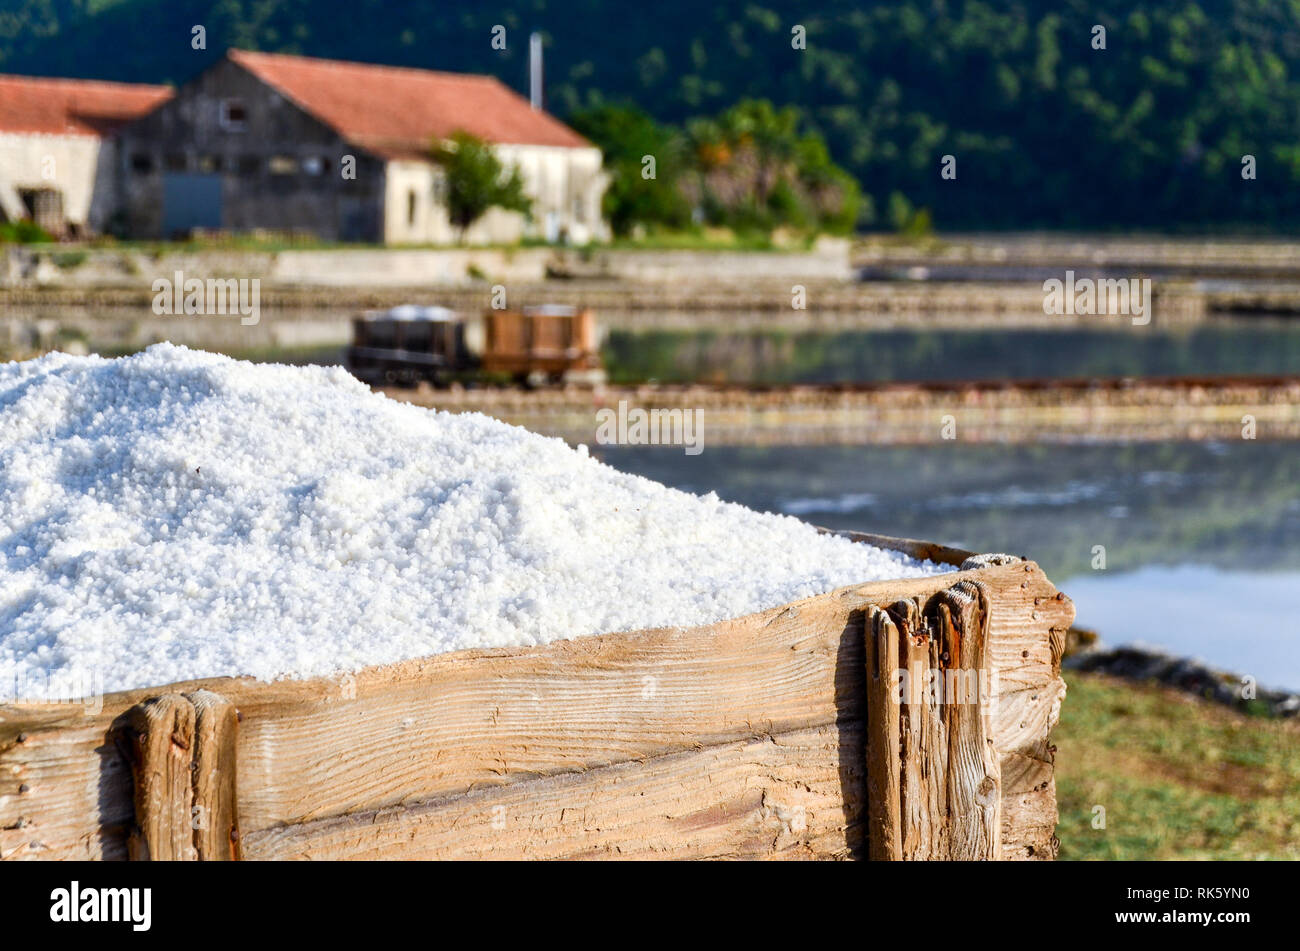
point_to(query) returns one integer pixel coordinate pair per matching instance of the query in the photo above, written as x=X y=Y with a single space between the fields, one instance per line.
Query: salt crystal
x=176 y=515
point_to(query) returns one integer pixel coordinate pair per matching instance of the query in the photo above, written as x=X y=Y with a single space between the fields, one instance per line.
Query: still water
x=1200 y=539
x=1244 y=346
x=1257 y=345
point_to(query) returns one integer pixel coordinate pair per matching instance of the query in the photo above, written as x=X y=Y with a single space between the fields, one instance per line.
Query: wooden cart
x=773 y=735
x=405 y=345
x=554 y=342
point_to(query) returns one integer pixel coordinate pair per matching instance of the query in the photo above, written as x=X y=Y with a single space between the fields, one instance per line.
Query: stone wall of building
x=279 y=167
x=78 y=166
x=566 y=186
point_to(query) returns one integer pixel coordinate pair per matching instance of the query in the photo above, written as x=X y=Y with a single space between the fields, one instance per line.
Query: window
x=282 y=165
x=314 y=165
x=234 y=117
x=178 y=162
x=141 y=164
x=208 y=164
x=578 y=209
x=248 y=165
x=410 y=208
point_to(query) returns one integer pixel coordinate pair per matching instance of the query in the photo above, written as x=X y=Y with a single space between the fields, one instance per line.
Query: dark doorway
x=190 y=201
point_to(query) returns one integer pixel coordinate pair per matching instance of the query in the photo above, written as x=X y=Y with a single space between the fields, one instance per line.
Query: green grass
x=70 y=260
x=702 y=241
x=1179 y=778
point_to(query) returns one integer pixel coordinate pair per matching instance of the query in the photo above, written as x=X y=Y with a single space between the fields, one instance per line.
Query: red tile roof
x=398 y=112
x=73 y=106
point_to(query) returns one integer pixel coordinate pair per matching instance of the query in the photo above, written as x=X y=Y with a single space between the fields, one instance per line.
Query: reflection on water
x=1234 y=618
x=1245 y=346
x=881 y=356
x=1200 y=539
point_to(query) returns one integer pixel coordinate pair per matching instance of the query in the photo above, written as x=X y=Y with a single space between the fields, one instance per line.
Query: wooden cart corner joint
x=181 y=749
x=935 y=783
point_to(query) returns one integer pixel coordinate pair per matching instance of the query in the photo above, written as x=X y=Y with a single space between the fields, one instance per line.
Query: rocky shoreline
x=1148 y=665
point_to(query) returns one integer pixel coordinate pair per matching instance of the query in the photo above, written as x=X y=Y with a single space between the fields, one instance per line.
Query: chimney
x=535 y=70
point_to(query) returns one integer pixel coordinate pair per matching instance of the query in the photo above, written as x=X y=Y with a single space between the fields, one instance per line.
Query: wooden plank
x=933 y=772
x=786 y=796
x=65 y=787
x=913 y=547
x=215 y=813
x=446 y=725
x=884 y=833
x=973 y=771
x=922 y=747
x=159 y=742
x=1029 y=694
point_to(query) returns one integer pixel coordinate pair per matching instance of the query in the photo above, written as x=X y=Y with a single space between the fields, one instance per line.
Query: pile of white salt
x=176 y=515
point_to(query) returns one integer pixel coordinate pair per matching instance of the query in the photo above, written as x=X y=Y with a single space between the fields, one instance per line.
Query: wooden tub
x=749 y=738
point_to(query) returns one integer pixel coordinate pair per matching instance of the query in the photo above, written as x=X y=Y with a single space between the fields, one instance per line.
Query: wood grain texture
x=974 y=771
x=923 y=749
x=778 y=796
x=884 y=734
x=65 y=788
x=158 y=739
x=216 y=823
x=430 y=730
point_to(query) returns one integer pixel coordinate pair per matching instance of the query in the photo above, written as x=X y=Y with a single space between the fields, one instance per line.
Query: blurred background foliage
x=752 y=168
x=1047 y=130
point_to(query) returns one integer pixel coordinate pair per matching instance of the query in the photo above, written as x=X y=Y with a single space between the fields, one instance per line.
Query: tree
x=644 y=161
x=750 y=169
x=756 y=171
x=769 y=135
x=835 y=196
x=477 y=181
x=1050 y=131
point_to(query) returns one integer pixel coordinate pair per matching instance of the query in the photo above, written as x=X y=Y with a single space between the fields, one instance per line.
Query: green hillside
x=1047 y=131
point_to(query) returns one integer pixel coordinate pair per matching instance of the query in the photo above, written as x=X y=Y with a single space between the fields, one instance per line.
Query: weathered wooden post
x=216 y=822
x=181 y=749
x=934 y=783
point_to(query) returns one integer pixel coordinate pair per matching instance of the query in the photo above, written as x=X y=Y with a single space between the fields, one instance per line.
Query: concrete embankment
x=913 y=414
x=647 y=288
x=69 y=268
x=653 y=288
x=1276 y=258
x=753 y=305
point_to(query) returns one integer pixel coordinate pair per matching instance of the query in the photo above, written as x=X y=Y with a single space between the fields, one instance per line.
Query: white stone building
x=265 y=141
x=57 y=151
